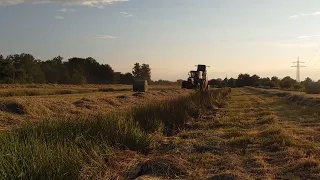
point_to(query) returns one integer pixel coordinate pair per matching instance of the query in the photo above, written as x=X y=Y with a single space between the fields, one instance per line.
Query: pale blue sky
x=247 y=36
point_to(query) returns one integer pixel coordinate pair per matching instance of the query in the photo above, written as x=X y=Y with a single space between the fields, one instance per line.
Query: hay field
x=22 y=104
x=218 y=134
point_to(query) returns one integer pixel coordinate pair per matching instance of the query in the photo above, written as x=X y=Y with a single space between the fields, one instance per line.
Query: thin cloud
x=305 y=14
x=103 y=37
x=294 y=45
x=125 y=14
x=294 y=16
x=66 y=10
x=91 y=3
x=304 y=37
x=59 y=17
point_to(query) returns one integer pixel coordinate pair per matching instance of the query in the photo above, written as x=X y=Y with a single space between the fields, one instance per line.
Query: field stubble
x=249 y=135
x=98 y=146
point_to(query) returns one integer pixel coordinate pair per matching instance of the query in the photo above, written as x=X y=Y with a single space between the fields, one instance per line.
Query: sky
x=249 y=36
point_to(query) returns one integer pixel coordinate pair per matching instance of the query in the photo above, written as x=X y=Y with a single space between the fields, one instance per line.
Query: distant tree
x=54 y=70
x=225 y=82
x=263 y=81
x=117 y=77
x=297 y=86
x=254 y=80
x=20 y=76
x=276 y=81
x=146 y=72
x=7 y=71
x=31 y=67
x=126 y=78
x=244 y=80
x=287 y=82
x=232 y=83
x=306 y=82
x=142 y=72
x=136 y=71
x=269 y=83
x=163 y=82
x=215 y=82
x=77 y=78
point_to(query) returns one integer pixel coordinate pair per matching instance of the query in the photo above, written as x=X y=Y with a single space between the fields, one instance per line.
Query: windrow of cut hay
x=298 y=98
x=55 y=91
x=80 y=148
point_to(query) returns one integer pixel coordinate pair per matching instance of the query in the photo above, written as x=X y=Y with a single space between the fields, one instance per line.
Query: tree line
x=256 y=81
x=25 y=68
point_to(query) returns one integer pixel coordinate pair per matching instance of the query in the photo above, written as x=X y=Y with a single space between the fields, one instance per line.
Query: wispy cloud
x=125 y=14
x=59 y=17
x=294 y=45
x=305 y=14
x=311 y=36
x=103 y=37
x=91 y=3
x=66 y=10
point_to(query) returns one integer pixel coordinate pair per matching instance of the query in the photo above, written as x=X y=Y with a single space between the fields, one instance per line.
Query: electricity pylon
x=298 y=66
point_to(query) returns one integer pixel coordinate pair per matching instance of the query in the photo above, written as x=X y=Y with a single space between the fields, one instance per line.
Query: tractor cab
x=193 y=74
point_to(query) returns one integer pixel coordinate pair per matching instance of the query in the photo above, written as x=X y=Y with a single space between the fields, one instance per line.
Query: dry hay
x=224 y=176
x=138 y=94
x=167 y=166
x=83 y=103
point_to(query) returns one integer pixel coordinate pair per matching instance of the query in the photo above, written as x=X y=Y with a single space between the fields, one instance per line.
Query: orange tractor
x=197 y=79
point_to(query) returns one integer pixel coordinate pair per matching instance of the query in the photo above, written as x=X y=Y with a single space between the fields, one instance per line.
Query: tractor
x=197 y=79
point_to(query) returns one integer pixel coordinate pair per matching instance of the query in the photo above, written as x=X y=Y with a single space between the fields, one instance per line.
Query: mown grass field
x=245 y=134
x=82 y=147
x=38 y=103
x=255 y=136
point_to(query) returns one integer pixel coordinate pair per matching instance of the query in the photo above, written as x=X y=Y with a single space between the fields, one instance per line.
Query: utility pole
x=298 y=66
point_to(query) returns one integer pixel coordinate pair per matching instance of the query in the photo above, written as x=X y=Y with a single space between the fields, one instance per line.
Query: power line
x=316 y=63
x=298 y=66
x=313 y=54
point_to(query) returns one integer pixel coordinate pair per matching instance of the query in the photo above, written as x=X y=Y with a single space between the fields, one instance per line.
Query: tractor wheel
x=184 y=84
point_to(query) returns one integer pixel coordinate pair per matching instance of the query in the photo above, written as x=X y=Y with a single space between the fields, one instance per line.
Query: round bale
x=140 y=86
x=313 y=88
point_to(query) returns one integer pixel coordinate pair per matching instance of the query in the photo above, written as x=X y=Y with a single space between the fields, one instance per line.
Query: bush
x=270 y=84
x=298 y=86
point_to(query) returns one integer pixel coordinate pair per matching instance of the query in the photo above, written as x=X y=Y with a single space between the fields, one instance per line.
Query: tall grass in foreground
x=78 y=148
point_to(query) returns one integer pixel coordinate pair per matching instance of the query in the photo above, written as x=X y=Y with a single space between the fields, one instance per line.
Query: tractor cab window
x=193 y=74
